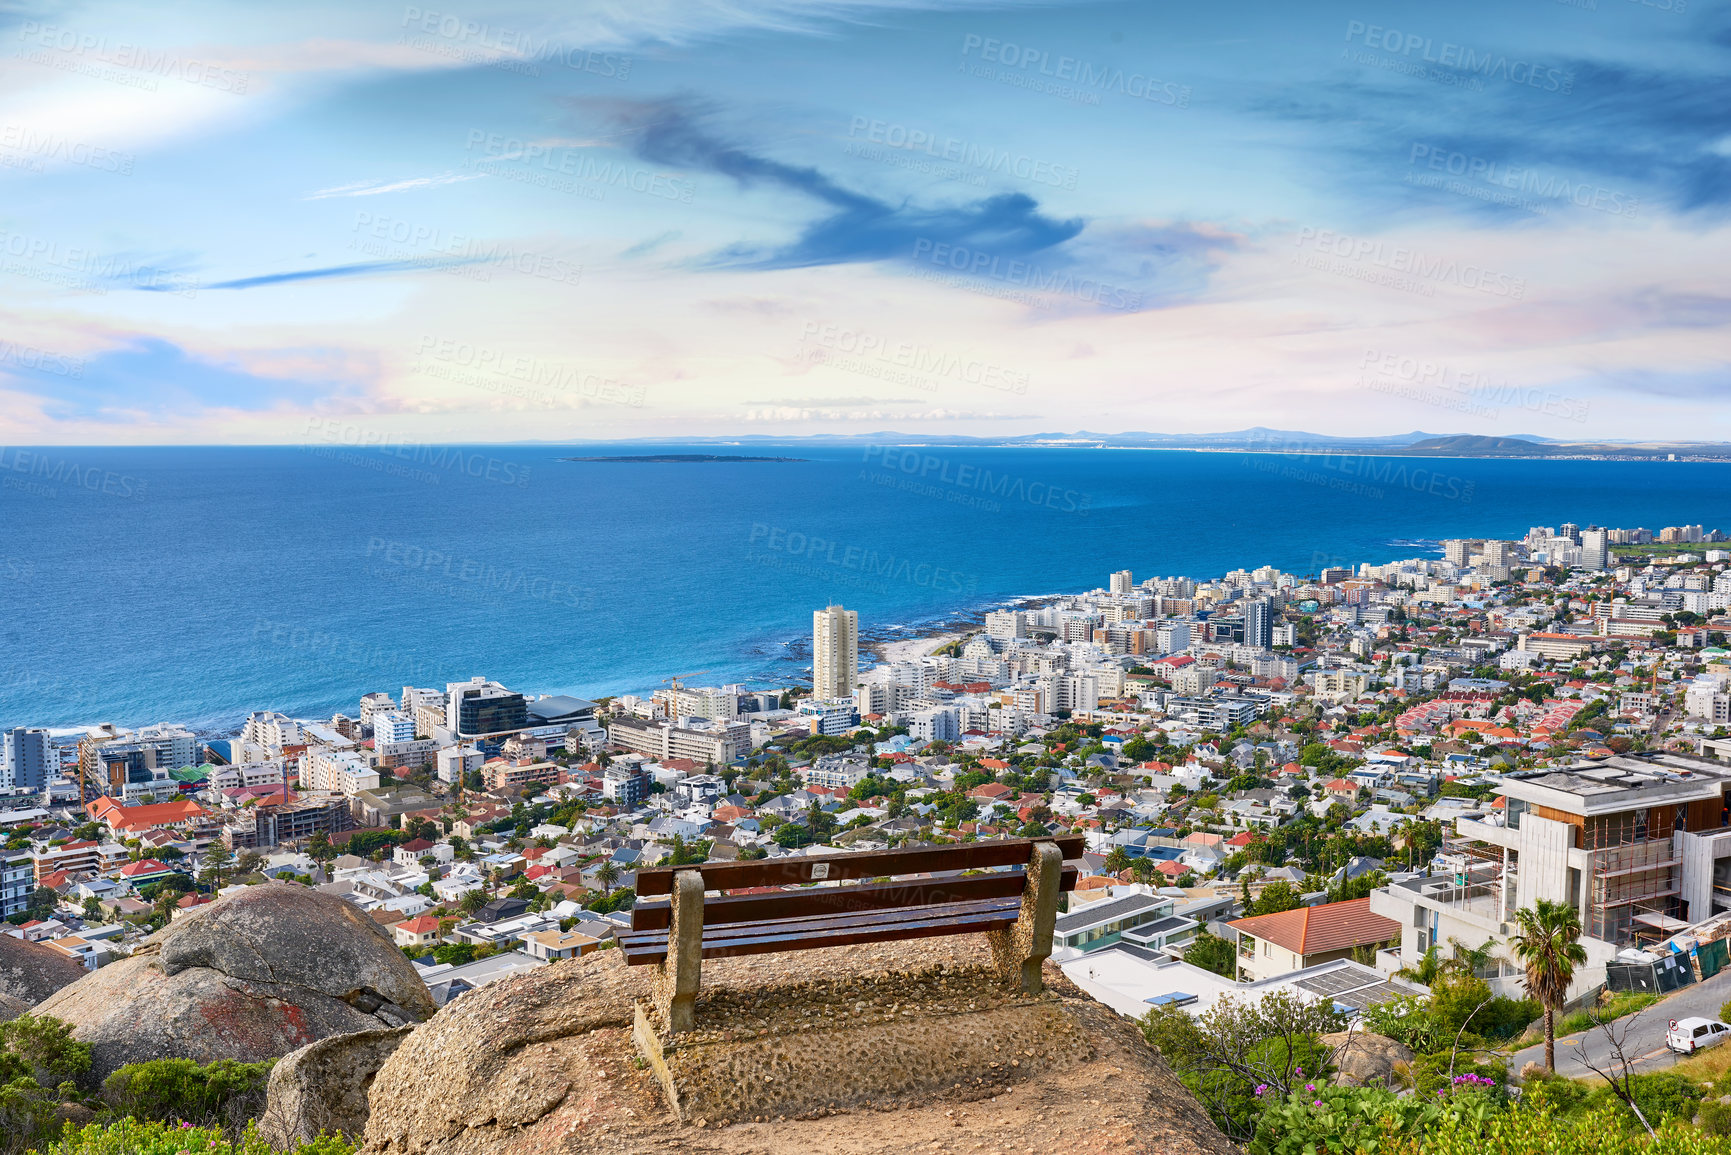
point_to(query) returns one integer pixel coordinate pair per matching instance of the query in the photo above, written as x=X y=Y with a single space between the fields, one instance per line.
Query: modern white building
x=829 y=716
x=271 y=730
x=456 y=761
x=392 y=726
x=1638 y=845
x=834 y=652
x=943 y=724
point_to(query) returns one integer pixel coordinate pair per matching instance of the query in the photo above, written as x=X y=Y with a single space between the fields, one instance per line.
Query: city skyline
x=520 y=222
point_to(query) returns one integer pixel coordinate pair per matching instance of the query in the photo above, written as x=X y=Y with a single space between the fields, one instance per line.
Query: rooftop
x=1312 y=930
x=1619 y=783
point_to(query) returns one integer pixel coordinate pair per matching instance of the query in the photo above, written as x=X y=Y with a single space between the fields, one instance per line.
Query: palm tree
x=1472 y=960
x=1117 y=860
x=1549 y=947
x=607 y=874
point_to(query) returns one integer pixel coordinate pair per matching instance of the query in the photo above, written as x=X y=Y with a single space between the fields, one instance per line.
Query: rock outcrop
x=31 y=972
x=545 y=1061
x=250 y=977
x=11 y=1007
x=1362 y=1059
x=323 y=1086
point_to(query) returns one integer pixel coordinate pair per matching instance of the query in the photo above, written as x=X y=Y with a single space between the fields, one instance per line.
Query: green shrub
x=1725 y=1010
x=1561 y=1095
x=1620 y=1004
x=140 y=1137
x=1661 y=1095
x=1431 y=1073
x=177 y=1090
x=1525 y=1132
x=39 y=1066
x=1371 y=1119
x=1714 y=1118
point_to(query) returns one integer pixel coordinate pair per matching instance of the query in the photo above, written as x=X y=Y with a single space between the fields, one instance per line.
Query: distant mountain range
x=1258 y=439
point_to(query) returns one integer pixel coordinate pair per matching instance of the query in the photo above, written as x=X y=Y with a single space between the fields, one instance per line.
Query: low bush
x=142 y=1137
x=1620 y=1004
x=1543 y=1132
x=1714 y=1118
x=181 y=1090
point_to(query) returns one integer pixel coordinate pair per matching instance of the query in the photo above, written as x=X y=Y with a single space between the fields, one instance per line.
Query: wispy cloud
x=373 y=188
x=858 y=227
x=367 y=268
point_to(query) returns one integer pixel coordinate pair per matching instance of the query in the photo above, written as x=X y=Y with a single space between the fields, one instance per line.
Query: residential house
x=1273 y=944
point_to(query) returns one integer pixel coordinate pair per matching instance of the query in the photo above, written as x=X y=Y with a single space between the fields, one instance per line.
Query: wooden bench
x=1016 y=908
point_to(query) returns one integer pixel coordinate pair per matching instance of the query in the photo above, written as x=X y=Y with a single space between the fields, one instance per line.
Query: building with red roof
x=145 y=870
x=422 y=930
x=1276 y=944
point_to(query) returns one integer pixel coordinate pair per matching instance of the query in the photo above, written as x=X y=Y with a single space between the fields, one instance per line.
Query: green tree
x=1277 y=896
x=1212 y=953
x=248 y=862
x=1549 y=947
x=472 y=901
x=216 y=863
x=792 y=835
x=93 y=909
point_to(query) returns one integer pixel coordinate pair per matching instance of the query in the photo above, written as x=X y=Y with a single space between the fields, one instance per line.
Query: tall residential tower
x=834 y=652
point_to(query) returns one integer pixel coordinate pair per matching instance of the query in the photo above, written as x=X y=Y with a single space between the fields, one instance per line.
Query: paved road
x=1645 y=1041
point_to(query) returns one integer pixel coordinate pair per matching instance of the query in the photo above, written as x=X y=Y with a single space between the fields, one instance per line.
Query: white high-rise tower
x=834 y=652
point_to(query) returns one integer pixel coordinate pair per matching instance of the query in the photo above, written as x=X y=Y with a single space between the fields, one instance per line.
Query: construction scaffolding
x=1634 y=889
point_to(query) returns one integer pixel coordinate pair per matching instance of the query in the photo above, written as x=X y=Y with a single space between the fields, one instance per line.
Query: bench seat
x=790 y=934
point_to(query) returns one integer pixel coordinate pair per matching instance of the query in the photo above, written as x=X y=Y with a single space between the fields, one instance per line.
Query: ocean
x=192 y=585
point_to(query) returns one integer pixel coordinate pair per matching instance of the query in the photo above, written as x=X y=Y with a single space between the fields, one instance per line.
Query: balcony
x=1479 y=902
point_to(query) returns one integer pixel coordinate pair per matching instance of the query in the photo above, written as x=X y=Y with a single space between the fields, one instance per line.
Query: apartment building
x=343 y=771
x=500 y=774
x=1564 y=647
x=268 y=823
x=17 y=880
x=719 y=743
x=1640 y=845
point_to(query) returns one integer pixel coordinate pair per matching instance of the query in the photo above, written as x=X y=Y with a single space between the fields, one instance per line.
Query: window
x=1700 y=1031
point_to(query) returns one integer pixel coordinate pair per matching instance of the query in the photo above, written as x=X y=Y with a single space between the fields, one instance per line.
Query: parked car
x=1686 y=1036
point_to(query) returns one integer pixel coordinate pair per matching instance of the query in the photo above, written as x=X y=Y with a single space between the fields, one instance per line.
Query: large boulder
x=253 y=976
x=1362 y=1059
x=31 y=972
x=323 y=1086
x=544 y=1061
x=11 y=1007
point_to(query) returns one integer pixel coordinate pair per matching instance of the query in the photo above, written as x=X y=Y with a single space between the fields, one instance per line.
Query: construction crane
x=677 y=680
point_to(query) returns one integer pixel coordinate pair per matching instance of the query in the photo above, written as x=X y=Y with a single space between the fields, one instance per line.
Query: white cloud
x=369 y=188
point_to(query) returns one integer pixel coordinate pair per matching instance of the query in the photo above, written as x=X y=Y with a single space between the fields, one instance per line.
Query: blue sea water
x=194 y=584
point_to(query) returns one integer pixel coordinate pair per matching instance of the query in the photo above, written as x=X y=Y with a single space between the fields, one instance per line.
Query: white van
x=1686 y=1036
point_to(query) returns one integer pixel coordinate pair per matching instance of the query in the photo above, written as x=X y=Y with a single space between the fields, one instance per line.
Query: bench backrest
x=653 y=913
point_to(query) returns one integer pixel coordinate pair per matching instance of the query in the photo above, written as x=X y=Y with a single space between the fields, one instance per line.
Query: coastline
x=911 y=649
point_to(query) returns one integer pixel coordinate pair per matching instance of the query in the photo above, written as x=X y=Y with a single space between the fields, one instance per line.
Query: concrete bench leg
x=1019 y=950
x=674 y=986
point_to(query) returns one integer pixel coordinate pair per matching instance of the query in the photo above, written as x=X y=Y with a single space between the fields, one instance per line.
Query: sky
x=272 y=224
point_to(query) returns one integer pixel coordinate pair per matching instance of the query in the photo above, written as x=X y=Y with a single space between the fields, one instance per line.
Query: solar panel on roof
x=1377 y=993
x=1331 y=982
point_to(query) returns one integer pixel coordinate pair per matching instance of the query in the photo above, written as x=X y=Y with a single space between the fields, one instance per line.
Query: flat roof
x=1112 y=910
x=1620 y=783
